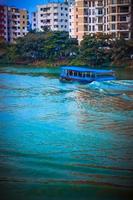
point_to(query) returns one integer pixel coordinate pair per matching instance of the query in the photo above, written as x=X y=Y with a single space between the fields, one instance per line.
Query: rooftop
x=81 y=69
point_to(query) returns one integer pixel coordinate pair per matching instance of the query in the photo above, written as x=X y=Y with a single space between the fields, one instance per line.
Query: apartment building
x=17 y=23
x=118 y=18
x=3 y=22
x=53 y=16
x=13 y=23
x=102 y=16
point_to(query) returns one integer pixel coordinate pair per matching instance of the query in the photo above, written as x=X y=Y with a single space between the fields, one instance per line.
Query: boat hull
x=70 y=80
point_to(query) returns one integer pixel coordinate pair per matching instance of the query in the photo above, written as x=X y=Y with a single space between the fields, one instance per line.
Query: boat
x=85 y=75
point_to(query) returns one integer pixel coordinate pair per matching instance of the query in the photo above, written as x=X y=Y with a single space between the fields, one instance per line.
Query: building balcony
x=123 y=9
x=123 y=19
x=123 y=27
x=99 y=22
x=99 y=5
x=120 y=2
x=99 y=14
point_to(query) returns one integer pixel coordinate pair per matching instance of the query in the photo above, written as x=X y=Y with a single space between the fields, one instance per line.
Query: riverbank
x=128 y=64
x=57 y=49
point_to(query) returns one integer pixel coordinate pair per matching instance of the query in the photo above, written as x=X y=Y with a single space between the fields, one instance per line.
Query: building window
x=124 y=9
x=93 y=20
x=93 y=28
x=113 y=18
x=100 y=27
x=89 y=28
x=123 y=18
x=125 y=35
x=86 y=28
x=93 y=12
x=100 y=11
x=100 y=19
x=89 y=20
x=113 y=9
x=113 y=27
x=114 y=1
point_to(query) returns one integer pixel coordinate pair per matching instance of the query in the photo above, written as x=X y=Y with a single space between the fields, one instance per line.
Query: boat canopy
x=81 y=69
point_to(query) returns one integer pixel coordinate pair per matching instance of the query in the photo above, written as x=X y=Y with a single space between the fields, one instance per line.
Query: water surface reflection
x=69 y=138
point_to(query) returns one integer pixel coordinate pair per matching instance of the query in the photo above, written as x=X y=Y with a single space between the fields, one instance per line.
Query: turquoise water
x=65 y=141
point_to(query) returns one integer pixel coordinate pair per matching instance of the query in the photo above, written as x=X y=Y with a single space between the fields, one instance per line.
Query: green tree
x=95 y=49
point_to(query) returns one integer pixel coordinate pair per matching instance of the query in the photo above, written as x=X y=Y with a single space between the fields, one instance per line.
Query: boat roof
x=81 y=69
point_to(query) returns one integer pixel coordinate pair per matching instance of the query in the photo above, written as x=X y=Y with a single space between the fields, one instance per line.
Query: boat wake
x=121 y=88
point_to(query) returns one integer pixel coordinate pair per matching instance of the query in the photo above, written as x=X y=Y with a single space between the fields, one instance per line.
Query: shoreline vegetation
x=54 y=48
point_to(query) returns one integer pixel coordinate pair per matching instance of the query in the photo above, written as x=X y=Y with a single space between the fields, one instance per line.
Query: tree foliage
x=52 y=46
x=46 y=45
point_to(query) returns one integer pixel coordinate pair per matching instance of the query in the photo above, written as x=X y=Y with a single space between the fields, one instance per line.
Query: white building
x=71 y=20
x=53 y=16
x=34 y=20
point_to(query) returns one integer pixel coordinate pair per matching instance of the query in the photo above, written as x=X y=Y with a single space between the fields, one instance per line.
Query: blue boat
x=86 y=75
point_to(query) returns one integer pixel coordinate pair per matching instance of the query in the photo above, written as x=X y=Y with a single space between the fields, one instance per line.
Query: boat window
x=105 y=75
x=80 y=74
x=88 y=74
x=92 y=75
x=83 y=74
x=75 y=73
x=70 y=72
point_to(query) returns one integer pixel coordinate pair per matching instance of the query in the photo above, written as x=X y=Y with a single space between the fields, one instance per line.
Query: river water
x=65 y=140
